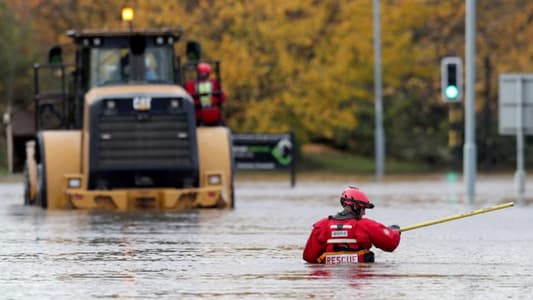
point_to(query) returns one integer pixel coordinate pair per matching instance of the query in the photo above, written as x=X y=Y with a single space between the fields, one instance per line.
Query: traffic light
x=452 y=79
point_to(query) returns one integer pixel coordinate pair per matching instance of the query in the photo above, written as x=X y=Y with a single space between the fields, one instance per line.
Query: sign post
x=515 y=101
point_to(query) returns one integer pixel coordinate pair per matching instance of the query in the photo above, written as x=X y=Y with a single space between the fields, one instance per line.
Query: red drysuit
x=344 y=233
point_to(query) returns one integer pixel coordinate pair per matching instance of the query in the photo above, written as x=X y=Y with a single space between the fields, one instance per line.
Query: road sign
x=516 y=117
x=253 y=151
x=513 y=90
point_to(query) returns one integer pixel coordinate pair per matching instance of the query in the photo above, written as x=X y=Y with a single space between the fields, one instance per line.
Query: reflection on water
x=254 y=251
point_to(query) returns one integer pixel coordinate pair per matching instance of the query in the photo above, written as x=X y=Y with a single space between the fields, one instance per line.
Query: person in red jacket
x=347 y=237
x=208 y=97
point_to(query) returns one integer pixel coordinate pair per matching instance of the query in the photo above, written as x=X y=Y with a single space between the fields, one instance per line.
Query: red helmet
x=355 y=197
x=204 y=68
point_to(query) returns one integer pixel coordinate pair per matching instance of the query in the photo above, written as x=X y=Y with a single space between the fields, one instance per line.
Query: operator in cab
x=347 y=237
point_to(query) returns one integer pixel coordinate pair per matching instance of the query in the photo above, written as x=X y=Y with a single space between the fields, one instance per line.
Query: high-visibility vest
x=205 y=90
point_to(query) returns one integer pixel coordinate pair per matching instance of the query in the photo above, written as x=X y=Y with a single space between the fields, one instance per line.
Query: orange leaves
x=309 y=63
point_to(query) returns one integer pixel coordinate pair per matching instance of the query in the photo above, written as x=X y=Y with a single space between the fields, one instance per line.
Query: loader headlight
x=159 y=40
x=214 y=179
x=109 y=107
x=74 y=183
x=7 y=118
x=110 y=104
x=174 y=103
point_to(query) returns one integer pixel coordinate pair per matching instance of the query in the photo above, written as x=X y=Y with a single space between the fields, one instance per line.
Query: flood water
x=254 y=251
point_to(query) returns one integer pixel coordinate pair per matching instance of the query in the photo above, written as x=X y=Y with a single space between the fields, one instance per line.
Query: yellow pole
x=459 y=216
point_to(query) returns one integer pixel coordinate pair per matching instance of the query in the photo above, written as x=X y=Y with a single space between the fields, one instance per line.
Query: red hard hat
x=204 y=68
x=355 y=197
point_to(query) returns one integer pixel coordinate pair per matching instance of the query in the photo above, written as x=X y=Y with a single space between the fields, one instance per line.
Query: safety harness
x=343 y=253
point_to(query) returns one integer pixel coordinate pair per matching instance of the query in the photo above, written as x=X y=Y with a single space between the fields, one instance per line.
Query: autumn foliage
x=307 y=65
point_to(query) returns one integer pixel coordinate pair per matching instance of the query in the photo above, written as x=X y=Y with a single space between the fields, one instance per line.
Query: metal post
x=11 y=64
x=293 y=161
x=379 y=135
x=64 y=97
x=469 y=150
x=520 y=174
x=9 y=139
x=36 y=97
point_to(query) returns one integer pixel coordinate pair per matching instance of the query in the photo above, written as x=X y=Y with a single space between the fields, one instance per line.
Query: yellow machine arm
x=459 y=216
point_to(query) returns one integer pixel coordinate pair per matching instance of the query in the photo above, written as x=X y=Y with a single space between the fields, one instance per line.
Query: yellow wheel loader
x=122 y=135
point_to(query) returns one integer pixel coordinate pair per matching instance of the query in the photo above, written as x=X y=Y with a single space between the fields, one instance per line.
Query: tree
x=308 y=65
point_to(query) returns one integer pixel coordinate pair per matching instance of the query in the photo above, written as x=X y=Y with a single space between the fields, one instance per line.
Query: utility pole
x=379 y=135
x=469 y=149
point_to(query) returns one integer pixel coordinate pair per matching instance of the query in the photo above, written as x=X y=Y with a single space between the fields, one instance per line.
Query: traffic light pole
x=455 y=119
x=469 y=150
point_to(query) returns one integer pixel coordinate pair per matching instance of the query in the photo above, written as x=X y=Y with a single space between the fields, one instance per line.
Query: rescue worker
x=347 y=237
x=208 y=96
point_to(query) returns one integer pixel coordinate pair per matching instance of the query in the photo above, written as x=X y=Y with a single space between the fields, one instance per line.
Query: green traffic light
x=451 y=92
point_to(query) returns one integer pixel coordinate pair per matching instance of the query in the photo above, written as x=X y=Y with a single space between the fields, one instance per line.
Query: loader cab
x=105 y=58
x=117 y=60
x=102 y=58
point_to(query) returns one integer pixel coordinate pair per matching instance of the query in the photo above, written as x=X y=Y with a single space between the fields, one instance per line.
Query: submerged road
x=254 y=251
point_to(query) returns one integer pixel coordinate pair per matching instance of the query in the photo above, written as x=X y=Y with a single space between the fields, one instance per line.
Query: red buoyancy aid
x=207 y=113
x=342 y=235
